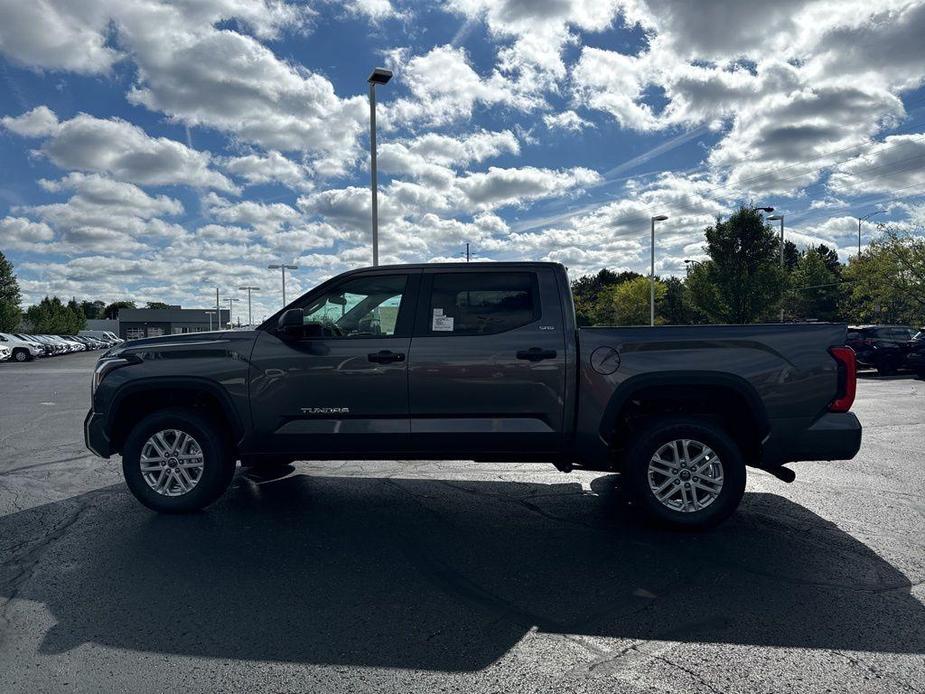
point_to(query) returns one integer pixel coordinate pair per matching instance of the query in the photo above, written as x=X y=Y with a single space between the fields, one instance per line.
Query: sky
x=154 y=150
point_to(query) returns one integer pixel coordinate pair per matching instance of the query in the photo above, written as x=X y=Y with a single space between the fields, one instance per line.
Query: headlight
x=105 y=366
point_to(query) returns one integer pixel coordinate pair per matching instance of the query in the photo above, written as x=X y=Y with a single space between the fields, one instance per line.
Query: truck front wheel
x=685 y=472
x=176 y=461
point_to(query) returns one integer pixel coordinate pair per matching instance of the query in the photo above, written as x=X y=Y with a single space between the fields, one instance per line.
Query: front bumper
x=834 y=436
x=95 y=437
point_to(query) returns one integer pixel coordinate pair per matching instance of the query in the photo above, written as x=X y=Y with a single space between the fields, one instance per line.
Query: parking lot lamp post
x=377 y=76
x=230 y=301
x=861 y=219
x=250 y=320
x=657 y=218
x=282 y=269
x=774 y=219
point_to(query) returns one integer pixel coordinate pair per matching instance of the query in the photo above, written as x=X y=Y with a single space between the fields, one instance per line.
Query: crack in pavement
x=31 y=559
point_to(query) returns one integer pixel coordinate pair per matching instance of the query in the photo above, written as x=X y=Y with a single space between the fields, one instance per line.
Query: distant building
x=151 y=322
x=103 y=324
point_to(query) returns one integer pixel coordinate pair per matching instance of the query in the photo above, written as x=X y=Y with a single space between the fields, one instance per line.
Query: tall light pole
x=378 y=76
x=774 y=219
x=250 y=320
x=657 y=218
x=282 y=269
x=230 y=300
x=861 y=219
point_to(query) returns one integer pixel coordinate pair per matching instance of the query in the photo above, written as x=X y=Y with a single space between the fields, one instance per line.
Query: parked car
x=104 y=335
x=22 y=350
x=55 y=347
x=88 y=343
x=76 y=345
x=476 y=361
x=46 y=350
x=915 y=356
x=882 y=347
x=5 y=353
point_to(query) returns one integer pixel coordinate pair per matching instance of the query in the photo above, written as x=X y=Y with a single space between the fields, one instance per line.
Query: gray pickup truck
x=476 y=361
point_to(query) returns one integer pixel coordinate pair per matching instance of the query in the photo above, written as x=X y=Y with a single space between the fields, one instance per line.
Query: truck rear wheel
x=685 y=472
x=176 y=461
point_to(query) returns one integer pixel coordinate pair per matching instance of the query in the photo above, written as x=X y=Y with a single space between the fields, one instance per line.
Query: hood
x=184 y=342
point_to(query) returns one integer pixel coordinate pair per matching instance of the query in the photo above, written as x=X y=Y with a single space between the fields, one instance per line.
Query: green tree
x=112 y=310
x=588 y=291
x=886 y=284
x=675 y=307
x=791 y=255
x=628 y=302
x=51 y=316
x=159 y=305
x=742 y=282
x=92 y=309
x=77 y=318
x=814 y=286
x=10 y=297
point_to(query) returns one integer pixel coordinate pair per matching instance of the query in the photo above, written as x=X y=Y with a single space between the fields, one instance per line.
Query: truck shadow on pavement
x=442 y=575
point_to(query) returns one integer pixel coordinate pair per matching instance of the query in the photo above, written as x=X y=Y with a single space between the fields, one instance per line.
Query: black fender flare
x=196 y=384
x=628 y=388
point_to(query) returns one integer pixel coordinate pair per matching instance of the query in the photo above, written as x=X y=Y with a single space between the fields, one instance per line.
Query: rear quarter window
x=481 y=303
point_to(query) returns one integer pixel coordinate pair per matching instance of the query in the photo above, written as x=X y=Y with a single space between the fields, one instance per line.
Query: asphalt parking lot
x=453 y=576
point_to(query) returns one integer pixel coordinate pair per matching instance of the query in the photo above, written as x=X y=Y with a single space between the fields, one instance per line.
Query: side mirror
x=290 y=322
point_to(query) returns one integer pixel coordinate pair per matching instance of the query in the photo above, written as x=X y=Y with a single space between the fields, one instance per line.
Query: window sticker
x=442 y=323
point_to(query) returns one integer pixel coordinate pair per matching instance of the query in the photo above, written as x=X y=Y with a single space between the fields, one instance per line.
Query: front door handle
x=536 y=354
x=385 y=356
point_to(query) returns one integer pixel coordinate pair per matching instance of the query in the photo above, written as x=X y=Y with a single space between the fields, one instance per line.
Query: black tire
x=21 y=355
x=663 y=431
x=218 y=463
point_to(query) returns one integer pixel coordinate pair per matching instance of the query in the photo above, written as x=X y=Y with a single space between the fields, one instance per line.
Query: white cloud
x=272 y=167
x=498 y=187
x=613 y=82
x=373 y=10
x=105 y=215
x=57 y=35
x=23 y=234
x=39 y=122
x=898 y=163
x=566 y=120
x=120 y=149
x=446 y=88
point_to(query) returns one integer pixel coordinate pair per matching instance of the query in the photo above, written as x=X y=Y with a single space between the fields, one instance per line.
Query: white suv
x=20 y=349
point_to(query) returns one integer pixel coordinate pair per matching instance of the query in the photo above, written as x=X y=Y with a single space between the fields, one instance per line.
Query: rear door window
x=481 y=303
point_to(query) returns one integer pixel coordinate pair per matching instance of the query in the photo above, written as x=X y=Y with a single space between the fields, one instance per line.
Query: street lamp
x=250 y=320
x=230 y=300
x=378 y=76
x=769 y=210
x=861 y=219
x=282 y=269
x=657 y=218
x=774 y=219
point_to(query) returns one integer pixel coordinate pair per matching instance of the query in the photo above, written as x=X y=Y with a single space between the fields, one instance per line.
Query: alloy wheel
x=685 y=475
x=172 y=462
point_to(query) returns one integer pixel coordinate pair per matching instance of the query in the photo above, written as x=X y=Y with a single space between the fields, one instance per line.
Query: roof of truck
x=462 y=265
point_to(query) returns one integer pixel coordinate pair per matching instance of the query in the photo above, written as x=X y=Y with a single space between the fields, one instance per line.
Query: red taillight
x=847 y=379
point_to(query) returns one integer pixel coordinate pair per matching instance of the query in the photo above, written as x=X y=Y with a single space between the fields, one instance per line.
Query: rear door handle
x=385 y=356
x=536 y=354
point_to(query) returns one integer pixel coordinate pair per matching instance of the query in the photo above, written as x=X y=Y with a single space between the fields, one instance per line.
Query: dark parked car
x=477 y=361
x=915 y=356
x=882 y=347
